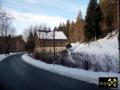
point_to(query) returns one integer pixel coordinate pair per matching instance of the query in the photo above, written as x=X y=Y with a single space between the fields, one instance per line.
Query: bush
x=45 y=57
x=104 y=63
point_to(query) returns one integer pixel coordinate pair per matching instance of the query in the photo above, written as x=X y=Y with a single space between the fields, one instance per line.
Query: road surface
x=15 y=74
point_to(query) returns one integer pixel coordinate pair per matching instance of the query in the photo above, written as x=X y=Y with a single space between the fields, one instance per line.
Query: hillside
x=104 y=53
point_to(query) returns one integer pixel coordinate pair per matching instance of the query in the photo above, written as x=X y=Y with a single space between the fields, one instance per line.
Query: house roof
x=49 y=35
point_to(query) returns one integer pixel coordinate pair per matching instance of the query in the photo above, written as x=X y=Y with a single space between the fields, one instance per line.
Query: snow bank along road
x=15 y=74
x=3 y=56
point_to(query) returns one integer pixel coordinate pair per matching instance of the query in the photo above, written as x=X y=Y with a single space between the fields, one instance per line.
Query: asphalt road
x=15 y=74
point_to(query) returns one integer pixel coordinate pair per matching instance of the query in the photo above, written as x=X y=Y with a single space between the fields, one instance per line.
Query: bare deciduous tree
x=33 y=29
x=6 y=28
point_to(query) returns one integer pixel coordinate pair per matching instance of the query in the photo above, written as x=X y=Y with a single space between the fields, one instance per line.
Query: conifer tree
x=67 y=28
x=71 y=32
x=79 y=28
x=59 y=27
x=92 y=21
x=119 y=39
x=98 y=20
x=89 y=21
x=79 y=17
x=55 y=29
x=30 y=45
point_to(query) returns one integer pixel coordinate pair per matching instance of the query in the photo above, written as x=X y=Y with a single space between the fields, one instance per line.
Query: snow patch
x=3 y=56
x=103 y=51
x=98 y=47
x=83 y=75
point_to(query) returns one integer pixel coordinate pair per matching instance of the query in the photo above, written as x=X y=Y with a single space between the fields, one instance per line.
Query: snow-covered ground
x=102 y=56
x=3 y=56
x=103 y=53
x=80 y=74
x=102 y=46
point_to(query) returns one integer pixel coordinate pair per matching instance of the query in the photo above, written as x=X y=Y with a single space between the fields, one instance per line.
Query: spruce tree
x=30 y=45
x=67 y=28
x=79 y=28
x=98 y=20
x=55 y=29
x=119 y=40
x=109 y=23
x=71 y=32
x=60 y=27
x=79 y=17
x=90 y=21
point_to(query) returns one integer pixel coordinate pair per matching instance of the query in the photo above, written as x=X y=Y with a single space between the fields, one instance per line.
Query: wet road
x=15 y=74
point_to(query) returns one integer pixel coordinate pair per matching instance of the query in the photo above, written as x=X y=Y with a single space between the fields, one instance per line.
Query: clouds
x=66 y=8
x=24 y=20
x=50 y=12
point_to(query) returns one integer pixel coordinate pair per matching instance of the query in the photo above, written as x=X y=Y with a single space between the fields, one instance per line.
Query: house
x=20 y=43
x=11 y=44
x=50 y=41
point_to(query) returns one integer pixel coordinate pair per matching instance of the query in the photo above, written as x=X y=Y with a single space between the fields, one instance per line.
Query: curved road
x=15 y=74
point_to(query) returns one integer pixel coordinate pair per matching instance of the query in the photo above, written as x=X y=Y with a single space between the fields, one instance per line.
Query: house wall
x=13 y=44
x=49 y=49
x=48 y=45
x=20 y=44
x=1 y=45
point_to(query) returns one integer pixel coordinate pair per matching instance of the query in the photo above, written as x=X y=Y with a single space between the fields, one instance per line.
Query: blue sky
x=49 y=12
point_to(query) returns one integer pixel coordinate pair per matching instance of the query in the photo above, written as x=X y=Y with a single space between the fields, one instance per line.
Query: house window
x=50 y=50
x=61 y=43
